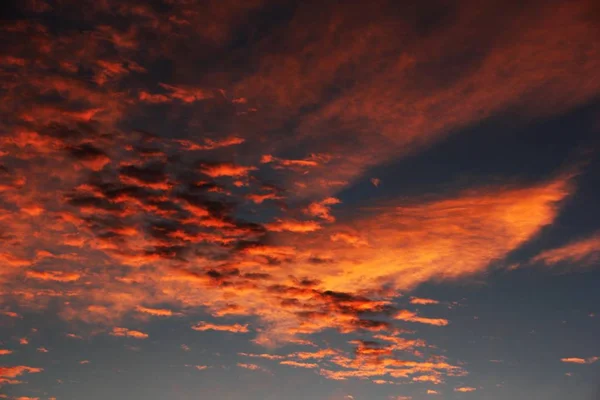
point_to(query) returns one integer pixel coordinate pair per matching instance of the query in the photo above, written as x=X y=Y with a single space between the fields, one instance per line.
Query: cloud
x=124 y=332
x=226 y=169
x=252 y=367
x=210 y=144
x=186 y=95
x=265 y=356
x=314 y=160
x=4 y=352
x=585 y=251
x=198 y=367
x=293 y=226
x=18 y=370
x=405 y=315
x=132 y=218
x=322 y=209
x=160 y=312
x=434 y=379
x=59 y=276
x=577 y=360
x=207 y=326
x=465 y=389
x=422 y=301
x=299 y=364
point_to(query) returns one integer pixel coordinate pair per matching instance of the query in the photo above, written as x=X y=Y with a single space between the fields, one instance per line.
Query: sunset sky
x=290 y=200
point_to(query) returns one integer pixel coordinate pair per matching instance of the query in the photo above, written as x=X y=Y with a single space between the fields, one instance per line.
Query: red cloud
x=226 y=169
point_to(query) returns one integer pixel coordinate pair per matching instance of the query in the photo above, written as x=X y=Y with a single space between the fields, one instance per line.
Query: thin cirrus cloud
x=583 y=252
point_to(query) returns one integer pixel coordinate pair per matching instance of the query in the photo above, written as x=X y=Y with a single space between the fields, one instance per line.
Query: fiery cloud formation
x=177 y=161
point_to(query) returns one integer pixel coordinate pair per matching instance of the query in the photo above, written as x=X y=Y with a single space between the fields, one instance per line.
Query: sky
x=277 y=199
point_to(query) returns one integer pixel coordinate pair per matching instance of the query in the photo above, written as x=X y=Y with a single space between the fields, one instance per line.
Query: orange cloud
x=234 y=328
x=124 y=332
x=465 y=389
x=299 y=364
x=4 y=352
x=576 y=360
x=160 y=312
x=293 y=226
x=405 y=315
x=422 y=301
x=585 y=251
x=226 y=169
x=59 y=276
x=198 y=367
x=210 y=144
x=265 y=356
x=349 y=239
x=13 y=372
x=252 y=367
x=434 y=379
x=322 y=209
x=417 y=242
x=280 y=163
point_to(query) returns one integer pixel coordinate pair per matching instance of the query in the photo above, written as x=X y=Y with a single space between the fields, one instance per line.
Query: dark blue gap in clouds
x=500 y=150
x=529 y=319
